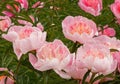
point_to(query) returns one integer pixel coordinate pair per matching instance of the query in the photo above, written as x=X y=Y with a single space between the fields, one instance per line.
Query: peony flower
x=25 y=38
x=78 y=28
x=107 y=31
x=53 y=55
x=115 y=8
x=5 y=23
x=96 y=58
x=110 y=43
x=91 y=6
x=77 y=71
x=5 y=78
x=23 y=3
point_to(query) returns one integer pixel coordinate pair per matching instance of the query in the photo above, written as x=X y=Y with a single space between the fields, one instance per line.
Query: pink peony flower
x=25 y=38
x=5 y=23
x=53 y=55
x=108 y=31
x=115 y=8
x=91 y=6
x=75 y=69
x=3 y=78
x=110 y=43
x=93 y=56
x=78 y=28
x=24 y=3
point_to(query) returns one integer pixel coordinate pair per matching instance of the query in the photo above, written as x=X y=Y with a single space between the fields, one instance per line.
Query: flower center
x=24 y=33
x=80 y=28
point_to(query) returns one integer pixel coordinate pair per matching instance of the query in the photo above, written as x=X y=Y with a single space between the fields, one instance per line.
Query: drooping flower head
x=25 y=38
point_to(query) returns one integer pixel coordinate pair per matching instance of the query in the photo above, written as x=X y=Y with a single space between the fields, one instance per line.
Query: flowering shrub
x=60 y=42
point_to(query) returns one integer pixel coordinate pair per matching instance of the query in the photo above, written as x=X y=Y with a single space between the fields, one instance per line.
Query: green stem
x=18 y=66
x=75 y=46
x=85 y=76
x=45 y=77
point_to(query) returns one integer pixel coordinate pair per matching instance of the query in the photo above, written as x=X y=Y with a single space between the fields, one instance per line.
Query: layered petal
x=91 y=6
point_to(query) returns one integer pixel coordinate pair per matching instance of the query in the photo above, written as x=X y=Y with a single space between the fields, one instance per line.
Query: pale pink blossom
x=25 y=38
x=5 y=23
x=75 y=69
x=115 y=8
x=78 y=28
x=53 y=55
x=109 y=42
x=96 y=58
x=91 y=6
x=3 y=78
x=23 y=3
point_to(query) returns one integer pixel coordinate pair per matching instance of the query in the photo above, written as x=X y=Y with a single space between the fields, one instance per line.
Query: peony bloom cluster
x=95 y=51
x=99 y=53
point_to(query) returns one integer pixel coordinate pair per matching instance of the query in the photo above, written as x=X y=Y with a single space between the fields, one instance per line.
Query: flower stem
x=17 y=69
x=45 y=77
